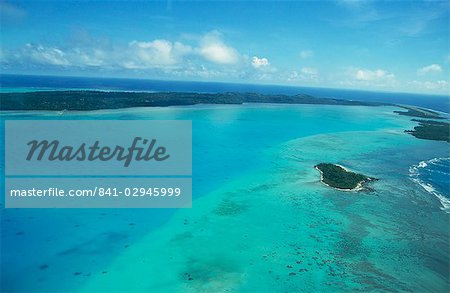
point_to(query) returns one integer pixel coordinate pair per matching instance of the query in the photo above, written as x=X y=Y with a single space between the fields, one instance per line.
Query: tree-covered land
x=97 y=100
x=337 y=177
x=432 y=130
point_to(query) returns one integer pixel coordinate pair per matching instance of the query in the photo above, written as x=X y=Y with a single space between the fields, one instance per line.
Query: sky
x=371 y=45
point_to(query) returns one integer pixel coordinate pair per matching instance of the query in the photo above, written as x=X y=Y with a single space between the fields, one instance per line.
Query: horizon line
x=227 y=82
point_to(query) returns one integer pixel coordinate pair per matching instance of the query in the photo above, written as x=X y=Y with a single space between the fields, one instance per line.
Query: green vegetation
x=96 y=100
x=337 y=177
x=418 y=112
x=432 y=130
x=427 y=129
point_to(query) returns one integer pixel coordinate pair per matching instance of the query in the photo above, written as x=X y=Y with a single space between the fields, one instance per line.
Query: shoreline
x=99 y=100
x=193 y=106
x=360 y=186
x=130 y=99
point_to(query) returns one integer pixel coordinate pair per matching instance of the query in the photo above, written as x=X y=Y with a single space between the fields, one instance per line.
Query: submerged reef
x=340 y=178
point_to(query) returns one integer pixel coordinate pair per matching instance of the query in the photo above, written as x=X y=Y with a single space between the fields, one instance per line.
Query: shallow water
x=261 y=220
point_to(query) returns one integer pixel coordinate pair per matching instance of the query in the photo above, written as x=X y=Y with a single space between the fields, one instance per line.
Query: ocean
x=261 y=219
x=433 y=176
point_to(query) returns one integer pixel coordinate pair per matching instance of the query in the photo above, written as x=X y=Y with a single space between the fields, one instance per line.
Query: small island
x=340 y=178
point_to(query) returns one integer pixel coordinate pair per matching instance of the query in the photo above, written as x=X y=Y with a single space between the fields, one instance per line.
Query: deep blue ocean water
x=13 y=82
x=433 y=175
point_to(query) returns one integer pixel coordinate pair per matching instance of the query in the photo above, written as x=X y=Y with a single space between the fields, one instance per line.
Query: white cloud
x=439 y=85
x=137 y=55
x=46 y=55
x=309 y=74
x=157 y=53
x=373 y=75
x=213 y=49
x=293 y=76
x=306 y=54
x=365 y=78
x=433 y=68
x=309 y=71
x=75 y=57
x=259 y=63
x=206 y=56
x=88 y=57
x=306 y=74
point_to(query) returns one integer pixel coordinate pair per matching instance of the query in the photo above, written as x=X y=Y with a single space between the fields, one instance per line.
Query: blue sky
x=373 y=45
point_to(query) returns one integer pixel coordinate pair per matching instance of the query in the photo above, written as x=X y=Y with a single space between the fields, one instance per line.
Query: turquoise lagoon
x=261 y=220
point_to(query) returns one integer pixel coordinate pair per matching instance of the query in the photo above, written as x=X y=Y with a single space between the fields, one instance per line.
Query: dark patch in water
x=188 y=276
x=230 y=208
x=217 y=270
x=97 y=245
x=182 y=237
x=262 y=187
x=43 y=267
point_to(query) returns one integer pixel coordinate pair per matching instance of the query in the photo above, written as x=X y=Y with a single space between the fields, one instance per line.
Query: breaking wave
x=433 y=175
